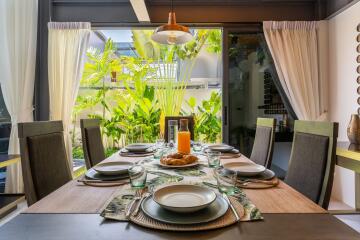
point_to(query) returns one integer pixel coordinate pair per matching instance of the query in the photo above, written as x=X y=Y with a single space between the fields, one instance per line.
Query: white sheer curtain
x=299 y=63
x=68 y=42
x=18 y=32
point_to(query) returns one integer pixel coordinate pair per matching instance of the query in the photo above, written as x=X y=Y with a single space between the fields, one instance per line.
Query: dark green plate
x=92 y=174
x=215 y=210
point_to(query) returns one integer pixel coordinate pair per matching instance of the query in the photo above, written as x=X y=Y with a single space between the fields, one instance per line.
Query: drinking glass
x=137 y=176
x=197 y=146
x=160 y=143
x=160 y=152
x=226 y=181
x=213 y=159
x=172 y=132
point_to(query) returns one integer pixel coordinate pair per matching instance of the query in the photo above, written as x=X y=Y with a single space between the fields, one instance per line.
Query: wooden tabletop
x=287 y=215
x=93 y=227
x=75 y=197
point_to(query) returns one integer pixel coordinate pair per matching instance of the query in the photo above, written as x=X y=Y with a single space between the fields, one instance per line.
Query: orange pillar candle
x=184 y=137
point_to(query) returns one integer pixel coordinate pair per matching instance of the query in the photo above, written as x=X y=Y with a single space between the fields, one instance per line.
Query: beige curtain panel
x=68 y=42
x=300 y=65
x=18 y=28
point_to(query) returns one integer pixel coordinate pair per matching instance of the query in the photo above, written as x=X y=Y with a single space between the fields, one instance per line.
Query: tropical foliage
x=147 y=88
x=207 y=117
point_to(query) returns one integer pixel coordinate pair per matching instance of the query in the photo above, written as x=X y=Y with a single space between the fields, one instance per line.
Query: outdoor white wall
x=207 y=65
x=343 y=96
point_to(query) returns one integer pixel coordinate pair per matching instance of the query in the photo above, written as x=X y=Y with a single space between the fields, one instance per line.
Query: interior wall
x=343 y=95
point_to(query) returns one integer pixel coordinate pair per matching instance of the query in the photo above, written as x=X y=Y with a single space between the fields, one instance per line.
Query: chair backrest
x=44 y=161
x=312 y=160
x=92 y=142
x=263 y=147
x=190 y=126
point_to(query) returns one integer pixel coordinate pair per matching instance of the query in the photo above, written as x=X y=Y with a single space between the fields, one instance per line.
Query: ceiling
x=194 y=11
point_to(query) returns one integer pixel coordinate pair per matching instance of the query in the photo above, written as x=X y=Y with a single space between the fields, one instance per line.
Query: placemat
x=224 y=221
x=157 y=177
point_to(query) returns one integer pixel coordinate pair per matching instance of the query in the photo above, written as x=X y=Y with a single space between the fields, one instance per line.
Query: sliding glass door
x=250 y=88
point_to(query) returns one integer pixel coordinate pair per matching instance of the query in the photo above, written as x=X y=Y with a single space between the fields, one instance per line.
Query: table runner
x=76 y=197
x=159 y=176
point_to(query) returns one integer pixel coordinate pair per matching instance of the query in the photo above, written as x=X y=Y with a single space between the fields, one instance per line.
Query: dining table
x=73 y=212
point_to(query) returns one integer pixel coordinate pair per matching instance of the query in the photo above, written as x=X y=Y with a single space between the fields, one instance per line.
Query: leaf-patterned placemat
x=158 y=176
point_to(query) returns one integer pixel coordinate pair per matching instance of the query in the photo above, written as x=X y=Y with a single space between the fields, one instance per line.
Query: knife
x=144 y=193
x=137 y=197
x=231 y=206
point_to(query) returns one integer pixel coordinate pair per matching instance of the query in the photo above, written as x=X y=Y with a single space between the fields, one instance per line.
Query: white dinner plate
x=244 y=169
x=112 y=168
x=138 y=147
x=220 y=148
x=184 y=198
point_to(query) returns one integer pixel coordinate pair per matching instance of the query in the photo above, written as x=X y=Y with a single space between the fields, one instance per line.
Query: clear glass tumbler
x=137 y=176
x=226 y=181
x=197 y=147
x=172 y=132
x=213 y=159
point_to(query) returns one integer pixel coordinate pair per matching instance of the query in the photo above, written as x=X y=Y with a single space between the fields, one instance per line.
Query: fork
x=137 y=197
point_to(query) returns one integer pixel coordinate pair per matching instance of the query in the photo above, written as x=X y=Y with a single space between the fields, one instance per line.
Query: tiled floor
x=353 y=220
x=21 y=207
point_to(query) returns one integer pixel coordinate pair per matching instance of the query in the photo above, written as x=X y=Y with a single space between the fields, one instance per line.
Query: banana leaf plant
x=207 y=117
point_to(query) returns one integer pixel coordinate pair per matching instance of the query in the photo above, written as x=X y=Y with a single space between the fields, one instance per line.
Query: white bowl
x=184 y=198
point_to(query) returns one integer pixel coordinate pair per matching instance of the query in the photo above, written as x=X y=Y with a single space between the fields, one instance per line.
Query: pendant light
x=172 y=33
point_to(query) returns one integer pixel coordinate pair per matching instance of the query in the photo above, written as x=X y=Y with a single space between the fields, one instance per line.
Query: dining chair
x=263 y=147
x=312 y=160
x=191 y=125
x=92 y=142
x=44 y=162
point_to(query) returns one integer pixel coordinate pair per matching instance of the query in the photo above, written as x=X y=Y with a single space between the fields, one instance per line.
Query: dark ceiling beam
x=235 y=13
x=223 y=2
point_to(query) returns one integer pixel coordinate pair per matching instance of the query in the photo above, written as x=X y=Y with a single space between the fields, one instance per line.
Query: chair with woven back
x=312 y=160
x=44 y=160
x=263 y=147
x=92 y=142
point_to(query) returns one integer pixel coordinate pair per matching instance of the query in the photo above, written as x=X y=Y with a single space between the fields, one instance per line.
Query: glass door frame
x=251 y=28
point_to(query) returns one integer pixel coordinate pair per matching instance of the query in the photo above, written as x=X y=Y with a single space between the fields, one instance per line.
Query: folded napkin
x=116 y=209
x=230 y=155
x=258 y=183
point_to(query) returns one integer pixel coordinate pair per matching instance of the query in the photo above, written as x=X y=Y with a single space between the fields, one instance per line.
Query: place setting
x=138 y=150
x=248 y=175
x=108 y=174
x=175 y=207
x=226 y=151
